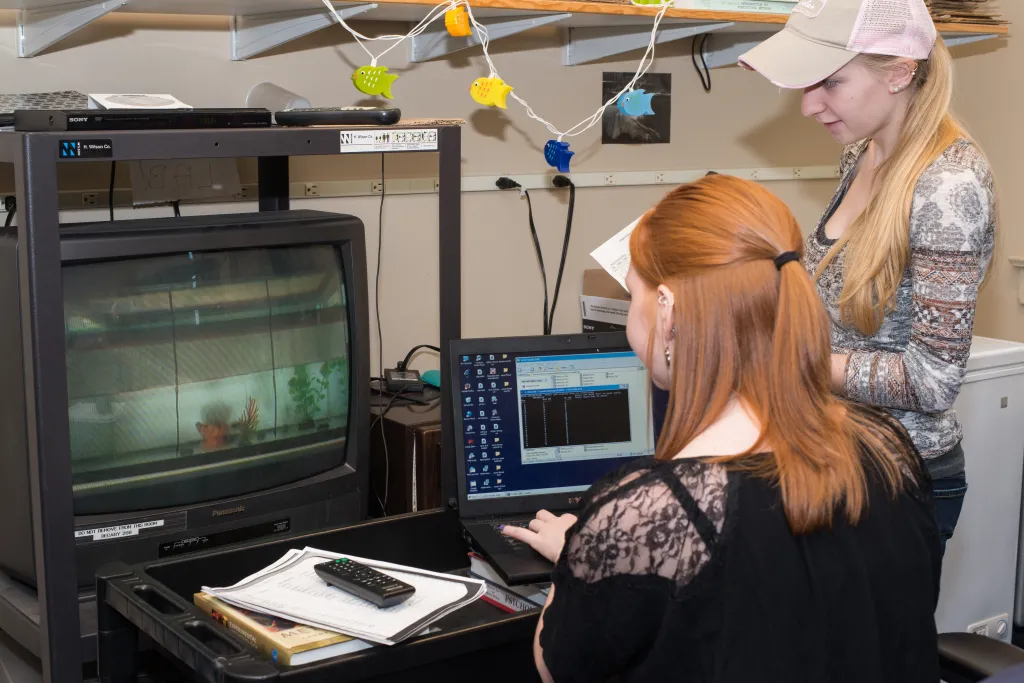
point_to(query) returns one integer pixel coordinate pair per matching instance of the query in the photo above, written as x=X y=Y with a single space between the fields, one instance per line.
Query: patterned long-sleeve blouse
x=915 y=363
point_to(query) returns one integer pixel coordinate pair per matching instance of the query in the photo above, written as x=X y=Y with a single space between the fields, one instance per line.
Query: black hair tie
x=785 y=257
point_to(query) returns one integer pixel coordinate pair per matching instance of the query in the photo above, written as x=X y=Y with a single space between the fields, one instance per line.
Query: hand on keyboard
x=546 y=533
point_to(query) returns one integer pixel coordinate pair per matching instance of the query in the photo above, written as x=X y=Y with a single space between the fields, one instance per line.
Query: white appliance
x=979 y=571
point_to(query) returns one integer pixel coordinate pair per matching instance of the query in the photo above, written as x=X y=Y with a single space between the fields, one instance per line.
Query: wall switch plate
x=993 y=627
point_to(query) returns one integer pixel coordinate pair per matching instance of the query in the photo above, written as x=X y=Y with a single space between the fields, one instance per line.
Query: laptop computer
x=537 y=421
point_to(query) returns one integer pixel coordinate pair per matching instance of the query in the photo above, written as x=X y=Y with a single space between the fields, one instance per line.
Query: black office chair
x=969 y=658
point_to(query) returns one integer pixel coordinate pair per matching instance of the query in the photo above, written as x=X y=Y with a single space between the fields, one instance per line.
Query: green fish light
x=374 y=80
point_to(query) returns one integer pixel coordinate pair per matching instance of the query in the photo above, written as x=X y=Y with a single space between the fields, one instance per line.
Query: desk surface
x=478 y=637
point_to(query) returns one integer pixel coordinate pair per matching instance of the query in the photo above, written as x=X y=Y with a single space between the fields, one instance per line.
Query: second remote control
x=364 y=582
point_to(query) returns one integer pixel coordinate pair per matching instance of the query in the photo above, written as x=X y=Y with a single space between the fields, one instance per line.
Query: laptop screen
x=544 y=423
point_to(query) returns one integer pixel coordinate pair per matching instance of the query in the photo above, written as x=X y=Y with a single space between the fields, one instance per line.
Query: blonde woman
x=899 y=254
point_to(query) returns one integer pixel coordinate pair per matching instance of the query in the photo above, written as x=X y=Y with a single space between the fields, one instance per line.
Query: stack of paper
x=964 y=12
x=290 y=588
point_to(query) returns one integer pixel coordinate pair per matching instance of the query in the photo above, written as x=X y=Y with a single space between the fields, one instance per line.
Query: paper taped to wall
x=613 y=255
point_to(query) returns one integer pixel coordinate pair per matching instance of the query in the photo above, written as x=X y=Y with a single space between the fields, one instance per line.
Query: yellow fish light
x=457 y=22
x=490 y=91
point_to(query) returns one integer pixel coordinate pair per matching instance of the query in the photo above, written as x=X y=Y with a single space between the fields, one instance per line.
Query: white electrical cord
x=595 y=118
x=438 y=11
x=432 y=15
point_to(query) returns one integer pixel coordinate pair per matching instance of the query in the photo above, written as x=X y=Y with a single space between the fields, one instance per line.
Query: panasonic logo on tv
x=229 y=511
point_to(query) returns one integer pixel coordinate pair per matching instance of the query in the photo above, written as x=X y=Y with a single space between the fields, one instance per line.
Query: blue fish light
x=635 y=103
x=557 y=154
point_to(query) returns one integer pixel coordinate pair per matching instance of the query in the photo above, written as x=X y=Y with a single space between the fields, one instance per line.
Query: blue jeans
x=948 y=495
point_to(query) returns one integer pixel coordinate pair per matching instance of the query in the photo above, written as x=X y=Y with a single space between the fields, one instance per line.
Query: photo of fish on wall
x=640 y=116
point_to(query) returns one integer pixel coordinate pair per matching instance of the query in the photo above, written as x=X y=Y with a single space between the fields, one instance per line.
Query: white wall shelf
x=596 y=29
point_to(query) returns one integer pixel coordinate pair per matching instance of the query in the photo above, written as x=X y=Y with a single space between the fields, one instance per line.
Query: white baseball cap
x=823 y=36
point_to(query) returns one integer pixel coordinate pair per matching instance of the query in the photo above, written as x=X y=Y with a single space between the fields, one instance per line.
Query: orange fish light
x=457 y=22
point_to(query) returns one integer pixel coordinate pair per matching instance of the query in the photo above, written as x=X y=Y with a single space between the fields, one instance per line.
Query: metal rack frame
x=35 y=157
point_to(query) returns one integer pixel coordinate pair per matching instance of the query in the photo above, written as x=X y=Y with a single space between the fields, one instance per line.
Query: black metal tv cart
x=49 y=623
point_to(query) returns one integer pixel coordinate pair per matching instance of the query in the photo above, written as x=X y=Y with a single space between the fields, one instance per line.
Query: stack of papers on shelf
x=979 y=12
x=290 y=589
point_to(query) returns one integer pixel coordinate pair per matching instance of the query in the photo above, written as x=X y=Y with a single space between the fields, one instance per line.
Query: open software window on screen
x=582 y=407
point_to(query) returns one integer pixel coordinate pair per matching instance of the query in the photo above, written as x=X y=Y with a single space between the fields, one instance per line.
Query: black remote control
x=339 y=116
x=364 y=582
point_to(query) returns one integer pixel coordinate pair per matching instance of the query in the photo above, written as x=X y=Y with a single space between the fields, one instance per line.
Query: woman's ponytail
x=750 y=326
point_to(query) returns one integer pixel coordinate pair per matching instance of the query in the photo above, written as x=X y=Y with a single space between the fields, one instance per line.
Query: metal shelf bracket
x=38 y=29
x=252 y=34
x=436 y=42
x=588 y=44
x=964 y=38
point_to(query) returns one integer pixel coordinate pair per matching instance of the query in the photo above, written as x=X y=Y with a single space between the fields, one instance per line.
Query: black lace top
x=684 y=571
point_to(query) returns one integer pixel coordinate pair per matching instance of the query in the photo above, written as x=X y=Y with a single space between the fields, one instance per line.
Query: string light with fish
x=371 y=79
x=556 y=151
x=490 y=91
x=456 y=20
x=635 y=103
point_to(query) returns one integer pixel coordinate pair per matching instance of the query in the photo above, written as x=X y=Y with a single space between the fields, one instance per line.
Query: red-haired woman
x=781 y=534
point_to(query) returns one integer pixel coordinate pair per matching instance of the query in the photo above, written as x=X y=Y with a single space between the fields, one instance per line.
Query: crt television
x=217 y=382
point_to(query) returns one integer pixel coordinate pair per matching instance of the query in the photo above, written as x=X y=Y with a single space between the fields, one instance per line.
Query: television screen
x=196 y=364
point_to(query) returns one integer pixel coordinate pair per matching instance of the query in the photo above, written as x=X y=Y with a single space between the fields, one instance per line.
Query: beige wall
x=743 y=122
x=989 y=103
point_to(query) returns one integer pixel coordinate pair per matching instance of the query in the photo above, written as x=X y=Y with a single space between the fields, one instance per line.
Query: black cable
x=408 y=356
x=380 y=338
x=11 y=205
x=696 y=46
x=376 y=289
x=540 y=259
x=384 y=442
x=177 y=208
x=110 y=195
x=562 y=181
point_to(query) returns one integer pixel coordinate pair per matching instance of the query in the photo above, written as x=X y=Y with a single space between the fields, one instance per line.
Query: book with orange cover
x=281 y=640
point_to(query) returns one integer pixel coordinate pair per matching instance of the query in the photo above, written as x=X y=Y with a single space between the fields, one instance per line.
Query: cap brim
x=791 y=61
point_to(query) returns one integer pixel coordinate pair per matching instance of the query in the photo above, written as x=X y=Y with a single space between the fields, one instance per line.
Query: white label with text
x=118 y=531
x=396 y=140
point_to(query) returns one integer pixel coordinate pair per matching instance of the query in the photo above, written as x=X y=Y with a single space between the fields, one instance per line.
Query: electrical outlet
x=312 y=190
x=437 y=184
x=90 y=198
x=659 y=177
x=245 y=193
x=609 y=179
x=993 y=627
x=377 y=187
